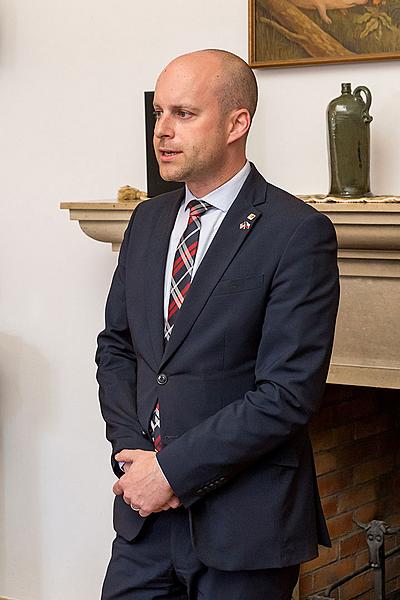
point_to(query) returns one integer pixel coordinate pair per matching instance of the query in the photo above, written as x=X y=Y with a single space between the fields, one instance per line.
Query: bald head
x=238 y=88
x=234 y=81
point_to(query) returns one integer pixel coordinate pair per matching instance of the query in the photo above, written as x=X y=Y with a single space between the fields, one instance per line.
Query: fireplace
x=357 y=452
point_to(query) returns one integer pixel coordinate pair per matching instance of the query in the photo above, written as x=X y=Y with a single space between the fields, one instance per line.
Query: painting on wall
x=300 y=32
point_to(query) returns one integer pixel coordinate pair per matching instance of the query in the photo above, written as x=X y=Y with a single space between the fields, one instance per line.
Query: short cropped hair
x=238 y=85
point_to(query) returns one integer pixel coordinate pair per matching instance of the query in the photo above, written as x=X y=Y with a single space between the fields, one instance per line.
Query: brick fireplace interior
x=357 y=452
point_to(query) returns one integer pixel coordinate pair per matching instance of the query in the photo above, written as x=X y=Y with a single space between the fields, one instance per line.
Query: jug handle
x=368 y=97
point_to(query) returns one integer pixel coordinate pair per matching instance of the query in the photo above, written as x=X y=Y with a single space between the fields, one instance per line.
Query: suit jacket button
x=144 y=433
x=162 y=379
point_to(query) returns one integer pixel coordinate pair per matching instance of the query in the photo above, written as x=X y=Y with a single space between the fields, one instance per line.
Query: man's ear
x=239 y=124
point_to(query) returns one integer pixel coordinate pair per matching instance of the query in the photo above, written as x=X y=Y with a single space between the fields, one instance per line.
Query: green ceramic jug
x=349 y=142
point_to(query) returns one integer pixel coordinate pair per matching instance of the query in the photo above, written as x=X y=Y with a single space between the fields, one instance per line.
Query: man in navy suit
x=219 y=329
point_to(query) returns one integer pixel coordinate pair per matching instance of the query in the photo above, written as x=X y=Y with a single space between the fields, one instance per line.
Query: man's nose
x=163 y=127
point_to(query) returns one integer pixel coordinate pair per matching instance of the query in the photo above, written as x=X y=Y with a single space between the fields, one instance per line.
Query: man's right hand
x=173 y=502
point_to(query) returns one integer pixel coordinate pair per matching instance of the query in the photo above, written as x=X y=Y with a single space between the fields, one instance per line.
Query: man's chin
x=171 y=176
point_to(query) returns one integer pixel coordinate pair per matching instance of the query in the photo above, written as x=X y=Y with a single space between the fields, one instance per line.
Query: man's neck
x=199 y=189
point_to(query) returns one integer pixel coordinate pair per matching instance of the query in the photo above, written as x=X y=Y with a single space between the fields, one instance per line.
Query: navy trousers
x=161 y=564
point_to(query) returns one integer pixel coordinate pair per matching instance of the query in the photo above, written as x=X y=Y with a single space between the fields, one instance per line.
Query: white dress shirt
x=221 y=200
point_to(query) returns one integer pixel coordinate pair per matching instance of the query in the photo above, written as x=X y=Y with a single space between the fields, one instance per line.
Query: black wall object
x=155 y=184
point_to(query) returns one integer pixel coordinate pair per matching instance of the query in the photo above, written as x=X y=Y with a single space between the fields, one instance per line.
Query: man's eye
x=157 y=114
x=184 y=114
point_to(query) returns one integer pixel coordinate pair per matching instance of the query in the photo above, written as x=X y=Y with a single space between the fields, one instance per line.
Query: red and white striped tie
x=180 y=283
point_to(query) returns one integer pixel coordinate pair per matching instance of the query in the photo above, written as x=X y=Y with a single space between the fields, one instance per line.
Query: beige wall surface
x=72 y=76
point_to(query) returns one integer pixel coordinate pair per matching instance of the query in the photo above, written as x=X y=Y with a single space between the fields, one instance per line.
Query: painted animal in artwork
x=323 y=5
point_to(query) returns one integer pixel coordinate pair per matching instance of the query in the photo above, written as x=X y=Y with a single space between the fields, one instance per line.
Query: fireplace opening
x=357 y=453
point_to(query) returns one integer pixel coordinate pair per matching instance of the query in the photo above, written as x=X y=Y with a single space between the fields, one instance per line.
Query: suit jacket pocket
x=231 y=286
x=285 y=456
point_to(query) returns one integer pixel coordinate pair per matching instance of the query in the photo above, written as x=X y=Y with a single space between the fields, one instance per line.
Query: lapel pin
x=245 y=225
x=251 y=216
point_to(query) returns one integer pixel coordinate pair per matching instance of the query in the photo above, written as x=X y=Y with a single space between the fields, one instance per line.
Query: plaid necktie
x=180 y=283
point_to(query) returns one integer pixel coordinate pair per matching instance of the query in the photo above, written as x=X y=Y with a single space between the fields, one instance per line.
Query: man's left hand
x=144 y=485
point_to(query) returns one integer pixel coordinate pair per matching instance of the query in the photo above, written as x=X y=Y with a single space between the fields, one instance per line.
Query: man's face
x=190 y=136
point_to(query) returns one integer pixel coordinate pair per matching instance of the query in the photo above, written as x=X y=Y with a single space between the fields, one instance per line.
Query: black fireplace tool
x=375 y=532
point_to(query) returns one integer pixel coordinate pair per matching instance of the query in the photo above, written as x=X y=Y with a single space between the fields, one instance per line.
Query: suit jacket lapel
x=228 y=239
x=154 y=282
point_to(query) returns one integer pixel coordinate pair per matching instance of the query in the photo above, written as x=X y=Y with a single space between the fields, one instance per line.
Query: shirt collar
x=223 y=197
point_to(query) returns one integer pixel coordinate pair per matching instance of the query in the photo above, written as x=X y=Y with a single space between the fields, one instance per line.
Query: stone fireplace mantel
x=367 y=340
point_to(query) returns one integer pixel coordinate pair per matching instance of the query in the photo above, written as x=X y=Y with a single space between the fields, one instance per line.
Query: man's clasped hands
x=144 y=486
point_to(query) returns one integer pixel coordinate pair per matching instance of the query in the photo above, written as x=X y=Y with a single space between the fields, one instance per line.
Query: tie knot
x=198 y=208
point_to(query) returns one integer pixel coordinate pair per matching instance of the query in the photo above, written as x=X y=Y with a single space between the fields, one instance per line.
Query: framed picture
x=303 y=32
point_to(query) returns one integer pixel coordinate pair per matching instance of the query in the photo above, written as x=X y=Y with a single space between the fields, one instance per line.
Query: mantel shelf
x=106 y=221
x=103 y=221
x=367 y=340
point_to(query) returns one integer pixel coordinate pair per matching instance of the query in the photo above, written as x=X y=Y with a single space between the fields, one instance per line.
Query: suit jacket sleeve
x=116 y=373
x=290 y=371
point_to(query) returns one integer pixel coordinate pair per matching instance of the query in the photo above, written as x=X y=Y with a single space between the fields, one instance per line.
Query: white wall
x=72 y=76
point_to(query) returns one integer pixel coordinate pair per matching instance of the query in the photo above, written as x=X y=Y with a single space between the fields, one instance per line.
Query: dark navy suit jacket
x=241 y=375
